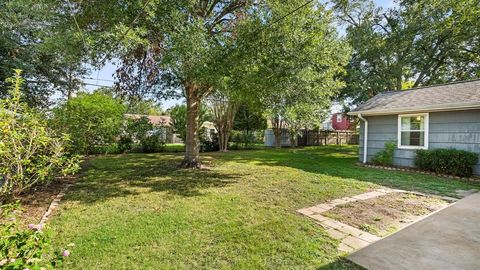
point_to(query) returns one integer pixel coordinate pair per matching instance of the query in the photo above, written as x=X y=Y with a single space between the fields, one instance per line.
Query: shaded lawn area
x=139 y=211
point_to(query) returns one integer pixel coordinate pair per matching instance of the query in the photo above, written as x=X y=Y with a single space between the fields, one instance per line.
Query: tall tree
x=299 y=62
x=223 y=109
x=187 y=47
x=305 y=115
x=415 y=43
x=173 y=47
x=39 y=37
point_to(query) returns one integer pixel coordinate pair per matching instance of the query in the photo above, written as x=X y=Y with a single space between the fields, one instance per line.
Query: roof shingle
x=465 y=94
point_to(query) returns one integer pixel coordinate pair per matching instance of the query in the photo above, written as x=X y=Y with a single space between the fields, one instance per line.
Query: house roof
x=161 y=120
x=462 y=95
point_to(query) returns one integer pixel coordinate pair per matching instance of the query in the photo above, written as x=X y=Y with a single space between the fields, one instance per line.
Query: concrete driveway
x=448 y=239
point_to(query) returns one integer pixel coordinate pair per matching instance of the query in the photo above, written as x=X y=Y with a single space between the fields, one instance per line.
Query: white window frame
x=425 y=131
x=341 y=118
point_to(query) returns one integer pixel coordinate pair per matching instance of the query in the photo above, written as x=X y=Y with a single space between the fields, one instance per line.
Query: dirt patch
x=35 y=202
x=385 y=214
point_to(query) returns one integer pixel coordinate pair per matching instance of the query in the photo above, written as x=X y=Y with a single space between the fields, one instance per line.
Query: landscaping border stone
x=53 y=205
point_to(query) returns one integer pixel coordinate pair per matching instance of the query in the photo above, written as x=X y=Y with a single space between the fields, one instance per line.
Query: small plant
x=385 y=157
x=446 y=161
x=25 y=247
x=368 y=228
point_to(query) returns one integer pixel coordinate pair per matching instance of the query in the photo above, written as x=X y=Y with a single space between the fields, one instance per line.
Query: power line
x=97 y=79
x=84 y=83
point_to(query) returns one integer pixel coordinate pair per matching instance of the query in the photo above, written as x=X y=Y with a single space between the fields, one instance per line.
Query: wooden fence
x=326 y=137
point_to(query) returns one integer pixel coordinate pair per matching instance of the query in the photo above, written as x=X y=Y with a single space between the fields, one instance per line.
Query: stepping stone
x=318 y=217
x=350 y=199
x=324 y=206
x=318 y=209
x=355 y=242
x=368 y=237
x=344 y=248
x=305 y=211
x=336 y=234
x=368 y=195
x=338 y=202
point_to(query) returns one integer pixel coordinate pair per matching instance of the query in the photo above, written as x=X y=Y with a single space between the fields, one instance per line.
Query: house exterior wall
x=344 y=124
x=454 y=129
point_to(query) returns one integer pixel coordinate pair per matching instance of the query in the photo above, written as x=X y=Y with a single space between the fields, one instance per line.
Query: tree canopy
x=415 y=43
x=39 y=37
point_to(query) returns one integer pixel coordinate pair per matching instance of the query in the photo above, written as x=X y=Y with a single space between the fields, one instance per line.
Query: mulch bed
x=36 y=201
x=385 y=214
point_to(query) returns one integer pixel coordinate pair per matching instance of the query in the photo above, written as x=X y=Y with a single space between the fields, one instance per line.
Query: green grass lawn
x=174 y=147
x=138 y=211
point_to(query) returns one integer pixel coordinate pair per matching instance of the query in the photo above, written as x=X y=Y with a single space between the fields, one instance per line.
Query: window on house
x=339 y=118
x=413 y=131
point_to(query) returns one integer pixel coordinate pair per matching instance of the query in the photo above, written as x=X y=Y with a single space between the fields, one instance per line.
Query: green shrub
x=30 y=152
x=446 y=161
x=124 y=144
x=152 y=143
x=91 y=120
x=385 y=157
x=25 y=247
x=105 y=149
x=208 y=143
x=149 y=137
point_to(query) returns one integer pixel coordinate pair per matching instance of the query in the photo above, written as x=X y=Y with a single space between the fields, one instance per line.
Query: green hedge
x=385 y=157
x=447 y=161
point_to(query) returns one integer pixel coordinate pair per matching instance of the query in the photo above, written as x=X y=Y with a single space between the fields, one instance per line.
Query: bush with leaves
x=385 y=157
x=25 y=247
x=151 y=138
x=125 y=143
x=178 y=114
x=93 y=121
x=208 y=141
x=446 y=161
x=30 y=152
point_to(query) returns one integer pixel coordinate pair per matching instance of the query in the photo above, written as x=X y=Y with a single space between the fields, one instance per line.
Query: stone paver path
x=350 y=237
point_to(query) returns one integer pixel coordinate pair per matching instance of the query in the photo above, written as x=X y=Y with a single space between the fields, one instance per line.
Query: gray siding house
x=440 y=116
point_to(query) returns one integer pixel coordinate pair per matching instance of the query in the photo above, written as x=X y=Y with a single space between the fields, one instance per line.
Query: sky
x=105 y=76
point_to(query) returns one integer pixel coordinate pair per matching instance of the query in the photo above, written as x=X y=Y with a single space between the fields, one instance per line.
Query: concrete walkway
x=448 y=239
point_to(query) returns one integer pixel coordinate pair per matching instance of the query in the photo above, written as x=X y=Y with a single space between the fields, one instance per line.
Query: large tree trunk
x=192 y=150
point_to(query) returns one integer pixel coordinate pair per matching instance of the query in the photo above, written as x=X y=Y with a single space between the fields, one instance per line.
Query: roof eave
x=415 y=110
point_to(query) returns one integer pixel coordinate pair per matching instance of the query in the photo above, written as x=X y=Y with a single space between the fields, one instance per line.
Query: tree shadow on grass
x=340 y=161
x=341 y=263
x=130 y=175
